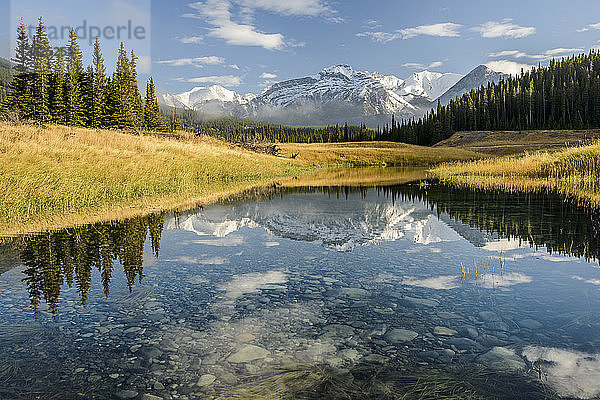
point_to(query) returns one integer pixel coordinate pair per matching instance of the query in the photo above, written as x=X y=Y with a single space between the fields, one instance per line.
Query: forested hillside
x=5 y=78
x=564 y=95
x=53 y=86
x=239 y=130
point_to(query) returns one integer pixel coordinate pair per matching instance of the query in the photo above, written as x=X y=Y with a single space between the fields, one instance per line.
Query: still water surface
x=412 y=289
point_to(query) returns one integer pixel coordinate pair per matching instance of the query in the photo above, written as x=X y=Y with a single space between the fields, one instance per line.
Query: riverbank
x=573 y=172
x=60 y=176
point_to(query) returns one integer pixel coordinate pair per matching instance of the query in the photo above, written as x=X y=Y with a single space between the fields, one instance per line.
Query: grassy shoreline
x=573 y=172
x=57 y=176
x=60 y=176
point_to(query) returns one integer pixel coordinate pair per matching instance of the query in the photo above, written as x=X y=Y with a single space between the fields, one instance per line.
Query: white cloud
x=590 y=27
x=289 y=7
x=508 y=67
x=504 y=29
x=446 y=29
x=562 y=51
x=592 y=281
x=217 y=14
x=234 y=66
x=192 y=39
x=223 y=80
x=267 y=75
x=413 y=65
x=435 y=64
x=547 y=55
x=197 y=62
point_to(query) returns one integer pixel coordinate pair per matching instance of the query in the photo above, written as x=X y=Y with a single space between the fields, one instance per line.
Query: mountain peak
x=342 y=69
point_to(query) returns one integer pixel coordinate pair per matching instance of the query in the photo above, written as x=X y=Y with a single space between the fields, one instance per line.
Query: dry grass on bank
x=374 y=154
x=57 y=176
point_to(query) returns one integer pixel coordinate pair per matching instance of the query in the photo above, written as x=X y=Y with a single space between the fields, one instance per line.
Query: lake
x=333 y=288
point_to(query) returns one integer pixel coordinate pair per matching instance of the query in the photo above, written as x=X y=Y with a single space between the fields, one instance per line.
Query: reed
x=573 y=172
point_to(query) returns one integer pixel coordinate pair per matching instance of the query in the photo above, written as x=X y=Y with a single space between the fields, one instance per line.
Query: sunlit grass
x=57 y=176
x=374 y=154
x=573 y=172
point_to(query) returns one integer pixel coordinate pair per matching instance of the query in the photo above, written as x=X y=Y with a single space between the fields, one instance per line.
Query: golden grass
x=374 y=154
x=574 y=172
x=59 y=176
x=358 y=177
x=500 y=143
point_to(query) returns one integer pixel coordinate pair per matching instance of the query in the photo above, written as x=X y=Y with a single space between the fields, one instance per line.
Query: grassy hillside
x=573 y=172
x=374 y=154
x=515 y=142
x=60 y=176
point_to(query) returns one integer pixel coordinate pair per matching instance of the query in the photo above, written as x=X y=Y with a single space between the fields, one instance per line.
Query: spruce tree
x=57 y=89
x=121 y=92
x=137 y=104
x=98 y=110
x=42 y=58
x=20 y=97
x=73 y=94
x=152 y=116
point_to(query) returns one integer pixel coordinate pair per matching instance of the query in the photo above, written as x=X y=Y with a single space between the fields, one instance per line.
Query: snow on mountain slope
x=480 y=76
x=427 y=84
x=196 y=97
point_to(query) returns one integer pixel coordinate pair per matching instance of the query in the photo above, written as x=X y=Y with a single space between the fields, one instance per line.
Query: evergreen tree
x=152 y=116
x=74 y=106
x=20 y=96
x=99 y=97
x=121 y=116
x=57 y=89
x=137 y=104
x=42 y=57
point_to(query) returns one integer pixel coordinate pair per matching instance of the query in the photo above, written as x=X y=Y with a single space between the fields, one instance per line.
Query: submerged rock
x=443 y=331
x=206 y=380
x=126 y=394
x=396 y=336
x=502 y=359
x=248 y=353
x=422 y=302
x=489 y=316
x=530 y=324
x=353 y=292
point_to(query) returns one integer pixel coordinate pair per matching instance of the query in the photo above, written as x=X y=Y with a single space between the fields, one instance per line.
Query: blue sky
x=246 y=45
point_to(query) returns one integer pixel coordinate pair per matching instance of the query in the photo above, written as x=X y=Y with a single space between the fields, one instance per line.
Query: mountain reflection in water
x=424 y=213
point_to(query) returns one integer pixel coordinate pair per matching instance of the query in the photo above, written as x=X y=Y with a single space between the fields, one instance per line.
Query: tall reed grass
x=574 y=172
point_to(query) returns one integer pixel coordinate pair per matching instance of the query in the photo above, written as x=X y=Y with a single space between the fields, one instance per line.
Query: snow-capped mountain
x=430 y=85
x=480 y=76
x=336 y=94
x=201 y=97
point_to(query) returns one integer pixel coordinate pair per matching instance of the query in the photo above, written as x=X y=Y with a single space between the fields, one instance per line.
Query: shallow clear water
x=414 y=289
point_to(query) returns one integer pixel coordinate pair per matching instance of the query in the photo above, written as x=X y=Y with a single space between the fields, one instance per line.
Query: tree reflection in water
x=53 y=259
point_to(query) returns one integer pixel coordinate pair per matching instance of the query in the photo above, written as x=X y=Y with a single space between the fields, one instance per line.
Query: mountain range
x=337 y=94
